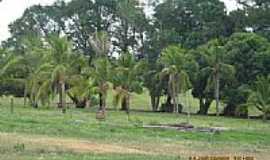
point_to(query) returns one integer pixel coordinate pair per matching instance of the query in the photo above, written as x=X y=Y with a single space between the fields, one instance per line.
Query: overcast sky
x=10 y=10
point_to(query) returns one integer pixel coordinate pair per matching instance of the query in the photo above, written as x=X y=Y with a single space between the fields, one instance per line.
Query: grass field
x=45 y=133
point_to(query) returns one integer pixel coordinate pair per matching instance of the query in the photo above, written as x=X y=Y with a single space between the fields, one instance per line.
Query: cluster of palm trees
x=52 y=68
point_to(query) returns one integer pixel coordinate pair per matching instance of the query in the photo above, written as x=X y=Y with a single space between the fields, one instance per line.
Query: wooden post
x=11 y=105
x=188 y=105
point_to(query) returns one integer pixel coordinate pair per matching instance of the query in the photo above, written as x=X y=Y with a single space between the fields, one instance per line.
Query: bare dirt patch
x=81 y=146
x=86 y=146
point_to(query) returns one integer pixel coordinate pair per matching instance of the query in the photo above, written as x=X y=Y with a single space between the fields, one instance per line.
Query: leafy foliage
x=259 y=96
x=126 y=79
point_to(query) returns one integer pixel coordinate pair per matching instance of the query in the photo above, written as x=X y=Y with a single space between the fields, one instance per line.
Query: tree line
x=83 y=48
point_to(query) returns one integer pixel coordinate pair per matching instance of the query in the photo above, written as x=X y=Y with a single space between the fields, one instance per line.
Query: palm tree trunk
x=204 y=106
x=265 y=117
x=63 y=97
x=124 y=104
x=87 y=103
x=217 y=93
x=201 y=110
x=24 y=96
x=128 y=103
x=11 y=105
x=176 y=103
x=60 y=96
x=157 y=102
x=188 y=105
x=173 y=92
x=100 y=101
x=154 y=102
x=103 y=103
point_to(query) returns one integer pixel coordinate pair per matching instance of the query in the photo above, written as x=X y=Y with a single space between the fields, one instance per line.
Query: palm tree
x=260 y=96
x=173 y=58
x=8 y=59
x=39 y=86
x=100 y=43
x=31 y=60
x=152 y=81
x=59 y=64
x=81 y=90
x=217 y=69
x=126 y=79
x=101 y=73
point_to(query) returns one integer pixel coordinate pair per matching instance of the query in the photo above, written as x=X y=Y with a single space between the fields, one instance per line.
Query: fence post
x=11 y=105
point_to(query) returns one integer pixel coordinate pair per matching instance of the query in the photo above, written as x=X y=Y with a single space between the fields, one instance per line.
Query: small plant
x=137 y=122
x=19 y=147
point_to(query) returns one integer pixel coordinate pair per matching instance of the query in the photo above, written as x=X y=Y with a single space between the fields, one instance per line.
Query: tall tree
x=102 y=75
x=101 y=65
x=173 y=59
x=31 y=59
x=130 y=28
x=214 y=74
x=249 y=54
x=153 y=82
x=216 y=68
x=58 y=65
x=257 y=13
x=126 y=80
x=191 y=22
x=36 y=21
x=86 y=17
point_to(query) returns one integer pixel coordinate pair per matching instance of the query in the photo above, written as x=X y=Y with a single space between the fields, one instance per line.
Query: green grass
x=243 y=136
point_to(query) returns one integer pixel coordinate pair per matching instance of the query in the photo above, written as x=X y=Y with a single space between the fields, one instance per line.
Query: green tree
x=82 y=90
x=259 y=96
x=213 y=74
x=102 y=75
x=173 y=59
x=101 y=66
x=130 y=27
x=10 y=75
x=216 y=67
x=59 y=64
x=250 y=56
x=153 y=82
x=191 y=22
x=256 y=16
x=126 y=79
x=37 y=21
x=31 y=59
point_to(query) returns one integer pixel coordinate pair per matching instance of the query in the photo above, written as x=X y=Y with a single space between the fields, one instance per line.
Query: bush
x=12 y=87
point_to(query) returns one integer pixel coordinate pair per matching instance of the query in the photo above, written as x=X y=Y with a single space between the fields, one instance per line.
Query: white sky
x=10 y=10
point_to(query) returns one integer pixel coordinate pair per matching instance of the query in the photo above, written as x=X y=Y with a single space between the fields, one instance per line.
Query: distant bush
x=12 y=87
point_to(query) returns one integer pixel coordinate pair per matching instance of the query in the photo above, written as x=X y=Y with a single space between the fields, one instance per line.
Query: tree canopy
x=81 y=49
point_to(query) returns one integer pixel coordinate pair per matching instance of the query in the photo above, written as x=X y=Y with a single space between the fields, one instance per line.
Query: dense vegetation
x=82 y=49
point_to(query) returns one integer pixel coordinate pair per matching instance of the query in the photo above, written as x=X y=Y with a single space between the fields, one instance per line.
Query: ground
x=46 y=134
